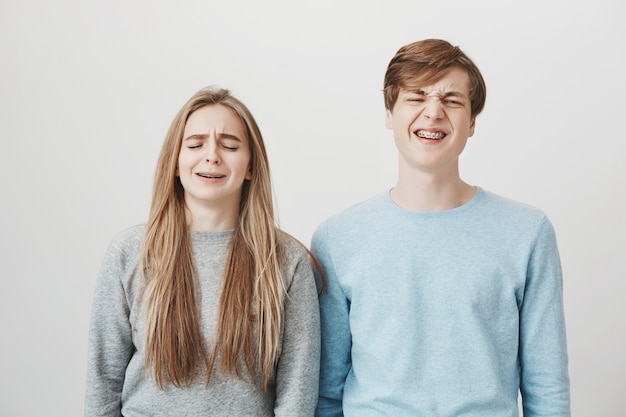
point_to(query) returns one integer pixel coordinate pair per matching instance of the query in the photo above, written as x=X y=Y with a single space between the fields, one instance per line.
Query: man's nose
x=433 y=109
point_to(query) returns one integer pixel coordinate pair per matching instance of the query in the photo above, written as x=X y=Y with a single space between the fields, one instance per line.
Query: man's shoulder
x=359 y=212
x=496 y=205
x=352 y=222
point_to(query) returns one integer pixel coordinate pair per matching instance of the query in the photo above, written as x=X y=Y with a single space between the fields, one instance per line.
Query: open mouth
x=207 y=175
x=430 y=135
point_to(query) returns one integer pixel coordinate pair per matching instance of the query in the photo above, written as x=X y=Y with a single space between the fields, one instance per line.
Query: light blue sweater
x=441 y=314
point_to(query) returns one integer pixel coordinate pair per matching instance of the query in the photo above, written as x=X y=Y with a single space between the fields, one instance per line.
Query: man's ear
x=472 y=127
x=388 y=119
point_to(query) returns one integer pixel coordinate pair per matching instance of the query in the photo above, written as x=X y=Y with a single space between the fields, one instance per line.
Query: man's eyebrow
x=201 y=136
x=452 y=93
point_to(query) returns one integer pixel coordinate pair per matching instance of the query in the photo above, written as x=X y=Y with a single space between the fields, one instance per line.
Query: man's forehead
x=438 y=90
x=456 y=81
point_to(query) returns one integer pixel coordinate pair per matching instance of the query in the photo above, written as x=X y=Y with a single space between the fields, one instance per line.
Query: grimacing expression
x=214 y=158
x=431 y=124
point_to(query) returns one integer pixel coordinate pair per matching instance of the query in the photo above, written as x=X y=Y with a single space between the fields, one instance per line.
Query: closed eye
x=230 y=144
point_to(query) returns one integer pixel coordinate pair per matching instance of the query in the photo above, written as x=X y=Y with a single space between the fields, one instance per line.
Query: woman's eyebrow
x=202 y=136
x=229 y=136
x=195 y=136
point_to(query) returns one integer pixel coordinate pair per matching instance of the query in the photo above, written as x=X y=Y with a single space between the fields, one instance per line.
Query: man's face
x=431 y=124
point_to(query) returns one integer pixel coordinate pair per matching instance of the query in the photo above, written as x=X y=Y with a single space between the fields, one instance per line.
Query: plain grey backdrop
x=89 y=88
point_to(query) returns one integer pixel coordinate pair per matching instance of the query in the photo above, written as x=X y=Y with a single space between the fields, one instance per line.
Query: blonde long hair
x=250 y=307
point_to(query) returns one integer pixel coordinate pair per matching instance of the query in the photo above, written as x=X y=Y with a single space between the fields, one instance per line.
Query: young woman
x=209 y=309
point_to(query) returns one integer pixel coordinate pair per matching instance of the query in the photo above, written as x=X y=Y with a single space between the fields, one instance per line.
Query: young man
x=442 y=299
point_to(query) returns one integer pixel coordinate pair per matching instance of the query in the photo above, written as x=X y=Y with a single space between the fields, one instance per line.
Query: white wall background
x=88 y=89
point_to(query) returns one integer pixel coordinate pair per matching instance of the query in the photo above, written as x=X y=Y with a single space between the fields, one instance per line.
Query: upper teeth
x=430 y=135
x=209 y=175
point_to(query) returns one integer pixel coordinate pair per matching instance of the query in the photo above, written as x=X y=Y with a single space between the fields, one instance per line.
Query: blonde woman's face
x=214 y=158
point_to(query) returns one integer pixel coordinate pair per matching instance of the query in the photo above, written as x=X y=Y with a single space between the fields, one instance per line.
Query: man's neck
x=431 y=193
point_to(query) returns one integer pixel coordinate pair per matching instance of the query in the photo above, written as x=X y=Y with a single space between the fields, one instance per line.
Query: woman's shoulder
x=297 y=260
x=122 y=256
x=291 y=245
x=128 y=238
x=294 y=253
x=125 y=245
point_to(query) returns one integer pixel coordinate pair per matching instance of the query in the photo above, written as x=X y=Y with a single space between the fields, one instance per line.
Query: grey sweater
x=117 y=384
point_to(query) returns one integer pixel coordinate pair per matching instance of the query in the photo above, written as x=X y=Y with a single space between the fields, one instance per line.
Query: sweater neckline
x=478 y=195
x=213 y=237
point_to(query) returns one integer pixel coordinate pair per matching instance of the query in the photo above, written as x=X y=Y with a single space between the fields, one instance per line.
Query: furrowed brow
x=229 y=136
x=454 y=94
x=194 y=137
x=199 y=136
x=441 y=95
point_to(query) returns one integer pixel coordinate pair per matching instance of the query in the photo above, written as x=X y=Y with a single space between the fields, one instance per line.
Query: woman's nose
x=212 y=154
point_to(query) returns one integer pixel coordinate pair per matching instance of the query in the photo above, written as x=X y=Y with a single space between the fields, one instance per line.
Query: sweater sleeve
x=110 y=345
x=336 y=337
x=543 y=352
x=297 y=371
